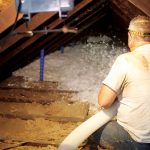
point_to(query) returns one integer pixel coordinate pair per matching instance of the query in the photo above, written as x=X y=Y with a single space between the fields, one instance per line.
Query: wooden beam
x=55 y=40
x=53 y=25
x=37 y=20
x=143 y=5
x=53 y=43
x=38 y=96
x=7 y=16
x=91 y=18
x=18 y=82
x=124 y=11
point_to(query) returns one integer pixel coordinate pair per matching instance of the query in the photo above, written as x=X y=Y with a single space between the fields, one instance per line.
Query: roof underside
x=17 y=50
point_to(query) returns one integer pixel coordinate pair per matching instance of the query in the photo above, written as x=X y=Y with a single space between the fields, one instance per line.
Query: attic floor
x=37 y=125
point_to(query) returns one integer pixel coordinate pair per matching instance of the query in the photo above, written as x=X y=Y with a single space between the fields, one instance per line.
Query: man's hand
x=66 y=29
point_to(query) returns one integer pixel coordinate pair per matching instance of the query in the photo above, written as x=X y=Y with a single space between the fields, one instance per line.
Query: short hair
x=140 y=26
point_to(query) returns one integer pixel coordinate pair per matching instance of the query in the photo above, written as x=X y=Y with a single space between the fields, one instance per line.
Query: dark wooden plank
x=52 y=25
x=142 y=5
x=37 y=20
x=123 y=12
x=44 y=97
x=6 y=21
x=18 y=82
x=100 y=9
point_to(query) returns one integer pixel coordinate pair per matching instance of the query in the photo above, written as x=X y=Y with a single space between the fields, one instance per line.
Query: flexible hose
x=83 y=131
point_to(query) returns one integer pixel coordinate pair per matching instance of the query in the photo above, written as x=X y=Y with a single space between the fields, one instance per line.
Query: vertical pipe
x=59 y=7
x=62 y=49
x=42 y=65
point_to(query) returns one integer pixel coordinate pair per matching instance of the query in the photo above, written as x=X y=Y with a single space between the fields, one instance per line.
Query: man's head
x=139 y=31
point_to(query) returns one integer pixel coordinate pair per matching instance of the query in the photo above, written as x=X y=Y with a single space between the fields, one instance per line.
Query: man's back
x=134 y=111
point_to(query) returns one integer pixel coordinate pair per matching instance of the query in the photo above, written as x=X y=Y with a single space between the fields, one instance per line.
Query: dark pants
x=113 y=136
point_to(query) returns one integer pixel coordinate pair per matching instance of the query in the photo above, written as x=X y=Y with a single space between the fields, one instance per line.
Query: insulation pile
x=82 y=66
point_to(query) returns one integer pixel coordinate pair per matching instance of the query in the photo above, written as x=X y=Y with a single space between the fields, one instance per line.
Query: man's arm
x=106 y=97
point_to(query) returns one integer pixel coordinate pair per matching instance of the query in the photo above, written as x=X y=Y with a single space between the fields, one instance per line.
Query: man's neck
x=138 y=44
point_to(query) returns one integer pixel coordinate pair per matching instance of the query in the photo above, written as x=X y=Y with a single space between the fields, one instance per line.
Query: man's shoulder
x=124 y=57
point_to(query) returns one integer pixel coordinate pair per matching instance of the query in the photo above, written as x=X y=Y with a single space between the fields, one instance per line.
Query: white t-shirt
x=130 y=78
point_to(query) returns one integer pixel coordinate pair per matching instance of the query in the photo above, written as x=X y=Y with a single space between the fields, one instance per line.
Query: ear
x=129 y=35
x=130 y=41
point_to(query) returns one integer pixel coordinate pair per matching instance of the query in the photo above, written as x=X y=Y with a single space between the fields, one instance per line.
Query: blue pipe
x=42 y=65
x=62 y=49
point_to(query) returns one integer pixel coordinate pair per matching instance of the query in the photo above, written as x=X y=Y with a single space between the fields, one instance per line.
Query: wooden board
x=19 y=82
x=57 y=111
x=6 y=20
x=44 y=97
x=123 y=11
x=142 y=5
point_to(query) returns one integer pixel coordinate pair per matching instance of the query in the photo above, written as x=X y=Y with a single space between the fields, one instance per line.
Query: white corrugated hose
x=83 y=131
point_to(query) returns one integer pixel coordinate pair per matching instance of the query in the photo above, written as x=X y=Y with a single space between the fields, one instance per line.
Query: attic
x=36 y=112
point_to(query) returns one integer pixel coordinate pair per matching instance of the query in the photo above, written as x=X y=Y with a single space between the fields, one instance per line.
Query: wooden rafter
x=52 y=25
x=142 y=5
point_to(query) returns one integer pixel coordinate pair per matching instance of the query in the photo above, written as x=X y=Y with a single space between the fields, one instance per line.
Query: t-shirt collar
x=143 y=47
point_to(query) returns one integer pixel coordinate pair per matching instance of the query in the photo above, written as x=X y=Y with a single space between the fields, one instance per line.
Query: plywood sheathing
x=142 y=5
x=7 y=14
x=123 y=12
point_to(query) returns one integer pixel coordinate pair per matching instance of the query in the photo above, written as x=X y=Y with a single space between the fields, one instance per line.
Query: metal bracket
x=37 y=6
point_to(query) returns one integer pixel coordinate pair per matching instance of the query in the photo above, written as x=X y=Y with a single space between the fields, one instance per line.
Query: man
x=129 y=80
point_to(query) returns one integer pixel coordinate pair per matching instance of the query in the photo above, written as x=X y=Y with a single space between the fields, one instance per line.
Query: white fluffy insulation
x=82 y=66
